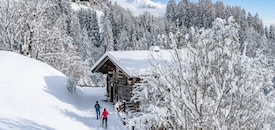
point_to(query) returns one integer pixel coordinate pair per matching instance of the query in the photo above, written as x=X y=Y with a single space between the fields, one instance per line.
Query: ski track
x=86 y=98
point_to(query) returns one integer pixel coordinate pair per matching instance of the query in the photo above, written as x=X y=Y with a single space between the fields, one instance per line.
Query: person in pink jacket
x=104 y=117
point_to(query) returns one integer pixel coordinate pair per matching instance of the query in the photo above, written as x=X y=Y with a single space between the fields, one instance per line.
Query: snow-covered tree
x=142 y=41
x=219 y=9
x=271 y=33
x=107 y=39
x=171 y=11
x=95 y=37
x=21 y=24
x=209 y=85
x=255 y=42
x=123 y=41
x=8 y=22
x=132 y=37
x=206 y=13
x=171 y=16
x=182 y=12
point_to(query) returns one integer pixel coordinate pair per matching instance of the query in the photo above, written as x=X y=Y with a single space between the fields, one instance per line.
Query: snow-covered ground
x=138 y=7
x=34 y=96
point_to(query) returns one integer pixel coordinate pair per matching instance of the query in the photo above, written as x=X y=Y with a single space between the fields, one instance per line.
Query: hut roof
x=135 y=63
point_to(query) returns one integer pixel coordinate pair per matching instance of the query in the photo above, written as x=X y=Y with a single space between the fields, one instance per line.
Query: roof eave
x=107 y=55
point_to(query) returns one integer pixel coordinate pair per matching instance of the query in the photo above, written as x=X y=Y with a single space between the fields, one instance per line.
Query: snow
x=136 y=63
x=34 y=96
x=77 y=7
x=138 y=7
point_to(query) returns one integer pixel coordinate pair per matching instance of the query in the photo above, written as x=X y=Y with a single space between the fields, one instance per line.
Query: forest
x=219 y=35
x=72 y=40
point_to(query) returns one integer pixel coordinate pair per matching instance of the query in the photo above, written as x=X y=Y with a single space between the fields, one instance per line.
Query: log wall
x=119 y=85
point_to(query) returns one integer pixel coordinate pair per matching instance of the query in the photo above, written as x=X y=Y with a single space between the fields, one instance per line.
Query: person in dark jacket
x=97 y=110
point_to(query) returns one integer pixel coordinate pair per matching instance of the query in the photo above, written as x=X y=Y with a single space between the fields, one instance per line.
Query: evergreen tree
x=182 y=12
x=206 y=14
x=89 y=25
x=123 y=41
x=95 y=37
x=272 y=33
x=170 y=16
x=171 y=11
x=219 y=9
x=107 y=39
x=133 y=38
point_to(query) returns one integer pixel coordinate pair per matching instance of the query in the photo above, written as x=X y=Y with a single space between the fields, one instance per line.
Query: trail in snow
x=86 y=99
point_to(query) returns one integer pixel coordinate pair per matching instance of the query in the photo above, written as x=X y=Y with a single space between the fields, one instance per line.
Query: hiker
x=104 y=117
x=97 y=110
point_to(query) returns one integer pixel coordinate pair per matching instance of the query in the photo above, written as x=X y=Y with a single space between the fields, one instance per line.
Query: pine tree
x=133 y=38
x=123 y=41
x=206 y=13
x=171 y=16
x=89 y=25
x=107 y=39
x=182 y=12
x=95 y=38
x=272 y=33
x=219 y=9
x=171 y=11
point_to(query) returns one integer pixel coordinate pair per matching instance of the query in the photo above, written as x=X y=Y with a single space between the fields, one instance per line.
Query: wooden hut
x=125 y=68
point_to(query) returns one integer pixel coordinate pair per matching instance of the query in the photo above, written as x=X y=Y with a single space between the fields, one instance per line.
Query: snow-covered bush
x=71 y=85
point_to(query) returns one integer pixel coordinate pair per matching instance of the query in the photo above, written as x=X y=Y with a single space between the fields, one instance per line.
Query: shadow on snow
x=23 y=124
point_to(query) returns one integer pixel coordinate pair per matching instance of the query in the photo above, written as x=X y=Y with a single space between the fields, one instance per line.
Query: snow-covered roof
x=134 y=63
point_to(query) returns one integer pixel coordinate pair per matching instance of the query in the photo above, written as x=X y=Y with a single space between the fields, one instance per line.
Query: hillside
x=34 y=96
x=138 y=7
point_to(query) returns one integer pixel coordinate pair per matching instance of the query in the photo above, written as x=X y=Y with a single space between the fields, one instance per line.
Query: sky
x=265 y=9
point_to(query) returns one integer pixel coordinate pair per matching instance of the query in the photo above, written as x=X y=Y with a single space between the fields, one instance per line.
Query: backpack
x=97 y=106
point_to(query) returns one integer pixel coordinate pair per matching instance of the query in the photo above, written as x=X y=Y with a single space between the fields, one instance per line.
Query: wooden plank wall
x=119 y=86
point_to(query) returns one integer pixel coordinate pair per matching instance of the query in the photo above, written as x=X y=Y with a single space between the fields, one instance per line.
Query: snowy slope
x=147 y=4
x=77 y=7
x=33 y=96
x=138 y=7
